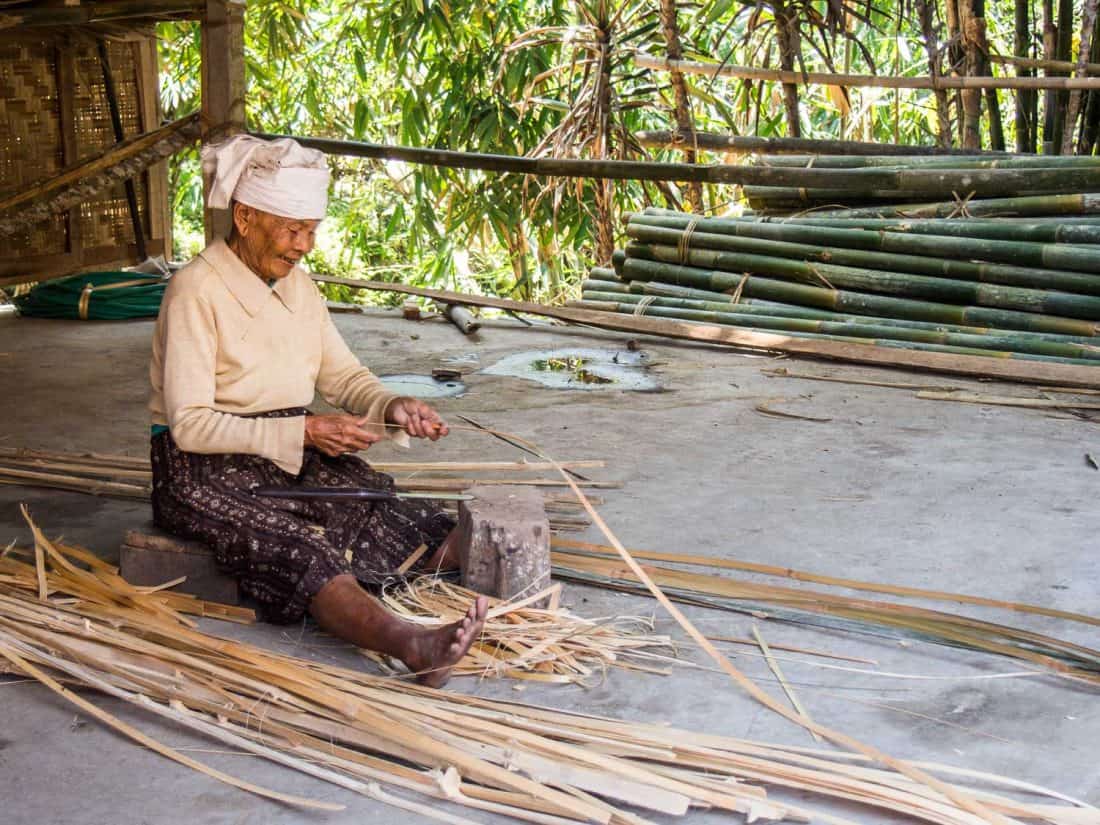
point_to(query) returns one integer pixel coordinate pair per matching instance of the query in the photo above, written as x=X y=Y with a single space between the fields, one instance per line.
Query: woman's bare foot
x=432 y=653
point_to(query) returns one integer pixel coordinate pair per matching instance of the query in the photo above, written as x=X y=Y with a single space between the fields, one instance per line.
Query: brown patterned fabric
x=283 y=551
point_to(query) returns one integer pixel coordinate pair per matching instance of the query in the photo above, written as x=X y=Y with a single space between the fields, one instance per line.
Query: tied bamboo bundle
x=520 y=641
x=1026 y=291
x=61 y=623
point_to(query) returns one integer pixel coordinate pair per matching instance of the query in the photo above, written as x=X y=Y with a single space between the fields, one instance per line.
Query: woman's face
x=271 y=245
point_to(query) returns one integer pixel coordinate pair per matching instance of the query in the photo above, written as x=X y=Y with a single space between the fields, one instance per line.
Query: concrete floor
x=989 y=500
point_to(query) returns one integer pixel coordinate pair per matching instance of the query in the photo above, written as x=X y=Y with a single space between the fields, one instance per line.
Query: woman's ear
x=242 y=218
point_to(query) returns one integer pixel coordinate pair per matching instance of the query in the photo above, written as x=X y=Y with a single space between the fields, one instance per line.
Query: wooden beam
x=864 y=80
x=977 y=366
x=223 y=83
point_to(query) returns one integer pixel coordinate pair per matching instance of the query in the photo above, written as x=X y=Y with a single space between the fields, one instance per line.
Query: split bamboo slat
x=67 y=621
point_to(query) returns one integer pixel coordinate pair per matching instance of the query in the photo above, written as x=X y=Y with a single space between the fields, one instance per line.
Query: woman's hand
x=416 y=418
x=338 y=434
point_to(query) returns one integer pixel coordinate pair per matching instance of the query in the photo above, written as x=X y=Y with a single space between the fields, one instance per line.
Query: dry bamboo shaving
x=520 y=641
x=383 y=738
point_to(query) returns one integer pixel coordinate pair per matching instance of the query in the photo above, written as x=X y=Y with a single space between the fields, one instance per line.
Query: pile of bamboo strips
x=600 y=565
x=68 y=622
x=130 y=477
x=544 y=644
x=1017 y=290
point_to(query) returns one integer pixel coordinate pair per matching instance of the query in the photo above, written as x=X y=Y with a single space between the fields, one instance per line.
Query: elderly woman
x=242 y=344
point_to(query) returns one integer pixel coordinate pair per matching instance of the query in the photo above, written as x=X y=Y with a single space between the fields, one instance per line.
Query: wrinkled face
x=268 y=244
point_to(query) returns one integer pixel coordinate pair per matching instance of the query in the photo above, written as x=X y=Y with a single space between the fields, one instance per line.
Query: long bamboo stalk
x=864 y=81
x=777 y=146
x=942 y=182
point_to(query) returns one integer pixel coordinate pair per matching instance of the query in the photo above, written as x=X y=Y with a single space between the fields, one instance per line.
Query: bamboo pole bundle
x=972 y=161
x=854 y=302
x=940 y=256
x=1069 y=207
x=963 y=205
x=1003 y=346
x=654 y=293
x=1003 y=229
x=1060 y=306
x=370 y=735
x=848 y=327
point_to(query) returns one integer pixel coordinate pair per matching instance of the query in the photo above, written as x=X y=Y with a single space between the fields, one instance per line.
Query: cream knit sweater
x=228 y=345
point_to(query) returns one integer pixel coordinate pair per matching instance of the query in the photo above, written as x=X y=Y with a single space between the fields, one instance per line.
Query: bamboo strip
x=774 y=665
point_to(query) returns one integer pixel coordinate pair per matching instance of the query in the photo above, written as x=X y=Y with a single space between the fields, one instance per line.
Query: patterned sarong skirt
x=283 y=551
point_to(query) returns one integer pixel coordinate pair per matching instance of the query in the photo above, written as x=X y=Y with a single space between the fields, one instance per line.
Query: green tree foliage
x=550 y=77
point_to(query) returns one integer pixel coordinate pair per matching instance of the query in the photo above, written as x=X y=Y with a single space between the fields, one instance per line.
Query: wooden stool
x=150 y=557
x=505 y=548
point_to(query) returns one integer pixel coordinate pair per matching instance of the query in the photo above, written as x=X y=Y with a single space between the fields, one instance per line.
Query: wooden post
x=223 y=85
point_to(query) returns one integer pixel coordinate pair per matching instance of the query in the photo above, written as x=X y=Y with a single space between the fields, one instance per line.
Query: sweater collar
x=248 y=288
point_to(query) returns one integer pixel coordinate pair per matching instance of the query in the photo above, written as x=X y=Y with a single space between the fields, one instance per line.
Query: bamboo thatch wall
x=54 y=114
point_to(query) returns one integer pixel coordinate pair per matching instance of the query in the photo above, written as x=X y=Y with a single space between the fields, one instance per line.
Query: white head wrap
x=278 y=176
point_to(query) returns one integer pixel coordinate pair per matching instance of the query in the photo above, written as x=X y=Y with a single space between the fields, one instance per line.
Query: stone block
x=505 y=548
x=150 y=557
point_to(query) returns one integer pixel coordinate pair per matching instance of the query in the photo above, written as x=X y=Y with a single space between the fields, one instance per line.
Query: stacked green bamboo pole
x=1021 y=289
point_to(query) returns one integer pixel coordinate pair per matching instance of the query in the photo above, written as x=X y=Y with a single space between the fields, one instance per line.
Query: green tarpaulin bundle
x=100 y=296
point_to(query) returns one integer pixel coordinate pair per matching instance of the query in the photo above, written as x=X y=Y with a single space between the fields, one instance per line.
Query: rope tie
x=683 y=246
x=822 y=278
x=735 y=294
x=643 y=305
x=89 y=288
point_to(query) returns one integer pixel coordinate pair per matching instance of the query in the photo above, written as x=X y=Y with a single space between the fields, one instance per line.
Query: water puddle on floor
x=423 y=386
x=580 y=369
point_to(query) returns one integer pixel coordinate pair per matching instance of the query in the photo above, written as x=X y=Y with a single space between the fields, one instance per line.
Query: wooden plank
x=1032 y=372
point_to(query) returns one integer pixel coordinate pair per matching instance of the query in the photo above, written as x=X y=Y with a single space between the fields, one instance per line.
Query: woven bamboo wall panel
x=94 y=132
x=30 y=135
x=54 y=113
